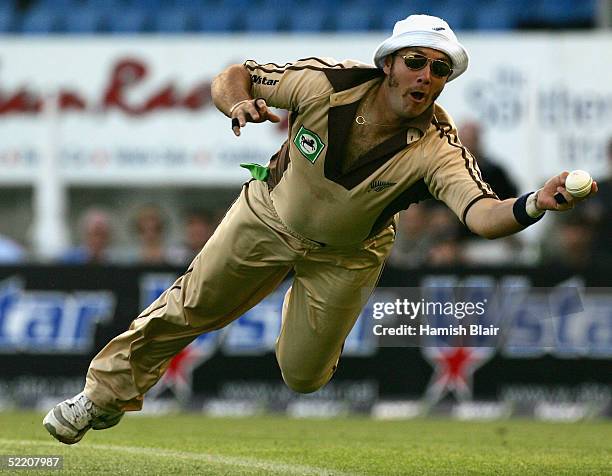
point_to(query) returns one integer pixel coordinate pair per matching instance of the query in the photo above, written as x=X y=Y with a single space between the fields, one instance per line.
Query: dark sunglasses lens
x=415 y=62
x=440 y=68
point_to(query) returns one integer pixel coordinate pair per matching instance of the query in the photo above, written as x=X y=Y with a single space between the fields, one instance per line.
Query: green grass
x=196 y=445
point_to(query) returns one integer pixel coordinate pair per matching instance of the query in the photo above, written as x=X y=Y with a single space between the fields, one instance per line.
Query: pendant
x=360 y=120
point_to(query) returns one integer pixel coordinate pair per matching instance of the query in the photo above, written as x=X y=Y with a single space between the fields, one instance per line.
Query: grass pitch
x=197 y=445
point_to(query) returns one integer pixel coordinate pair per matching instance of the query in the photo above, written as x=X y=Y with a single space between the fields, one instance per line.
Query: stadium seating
x=60 y=5
x=151 y=5
x=264 y=19
x=7 y=18
x=217 y=19
x=174 y=20
x=399 y=10
x=176 y=16
x=85 y=19
x=495 y=15
x=310 y=20
x=356 y=18
x=41 y=20
x=564 y=12
x=129 y=20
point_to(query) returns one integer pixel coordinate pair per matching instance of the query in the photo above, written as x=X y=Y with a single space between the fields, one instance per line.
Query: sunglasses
x=439 y=68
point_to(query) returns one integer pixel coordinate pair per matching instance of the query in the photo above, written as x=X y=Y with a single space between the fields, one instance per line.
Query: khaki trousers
x=248 y=256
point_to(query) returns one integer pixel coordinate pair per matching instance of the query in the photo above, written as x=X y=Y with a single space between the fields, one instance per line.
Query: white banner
x=137 y=110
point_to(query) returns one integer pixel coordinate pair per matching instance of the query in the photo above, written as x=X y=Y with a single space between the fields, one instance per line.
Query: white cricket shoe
x=69 y=420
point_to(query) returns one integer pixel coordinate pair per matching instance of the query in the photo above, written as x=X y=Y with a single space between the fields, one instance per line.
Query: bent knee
x=301 y=385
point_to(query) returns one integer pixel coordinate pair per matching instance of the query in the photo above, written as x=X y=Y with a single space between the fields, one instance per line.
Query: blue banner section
x=522 y=327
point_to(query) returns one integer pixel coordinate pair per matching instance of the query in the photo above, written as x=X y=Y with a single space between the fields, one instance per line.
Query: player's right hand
x=556 y=185
x=254 y=110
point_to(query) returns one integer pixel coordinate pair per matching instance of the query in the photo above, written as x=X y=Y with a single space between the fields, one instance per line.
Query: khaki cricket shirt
x=311 y=194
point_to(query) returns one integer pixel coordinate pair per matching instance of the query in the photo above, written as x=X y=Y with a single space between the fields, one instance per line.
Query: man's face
x=411 y=92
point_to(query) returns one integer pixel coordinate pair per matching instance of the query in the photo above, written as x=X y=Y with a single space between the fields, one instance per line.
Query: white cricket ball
x=578 y=183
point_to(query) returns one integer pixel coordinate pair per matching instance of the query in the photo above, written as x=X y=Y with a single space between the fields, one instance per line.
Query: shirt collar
x=357 y=92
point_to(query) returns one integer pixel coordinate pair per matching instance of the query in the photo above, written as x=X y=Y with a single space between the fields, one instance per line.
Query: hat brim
x=426 y=39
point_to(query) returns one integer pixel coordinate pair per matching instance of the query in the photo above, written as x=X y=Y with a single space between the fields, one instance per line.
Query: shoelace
x=83 y=411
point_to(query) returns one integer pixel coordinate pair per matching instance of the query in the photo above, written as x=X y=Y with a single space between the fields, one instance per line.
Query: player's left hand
x=253 y=110
x=556 y=185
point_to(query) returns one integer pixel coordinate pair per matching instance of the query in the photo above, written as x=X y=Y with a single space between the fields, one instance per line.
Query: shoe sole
x=52 y=421
x=51 y=429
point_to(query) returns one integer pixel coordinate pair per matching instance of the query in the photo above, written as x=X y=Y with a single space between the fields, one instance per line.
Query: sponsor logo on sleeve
x=256 y=79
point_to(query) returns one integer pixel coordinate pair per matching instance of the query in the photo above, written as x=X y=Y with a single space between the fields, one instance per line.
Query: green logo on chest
x=309 y=144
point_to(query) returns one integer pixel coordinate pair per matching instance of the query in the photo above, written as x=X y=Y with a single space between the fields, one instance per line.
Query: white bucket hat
x=429 y=32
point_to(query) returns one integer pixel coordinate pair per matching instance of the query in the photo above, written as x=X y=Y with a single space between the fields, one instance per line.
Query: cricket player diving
x=364 y=143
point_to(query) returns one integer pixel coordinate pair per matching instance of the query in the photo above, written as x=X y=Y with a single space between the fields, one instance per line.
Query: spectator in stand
x=199 y=227
x=412 y=241
x=573 y=246
x=151 y=227
x=470 y=134
x=11 y=252
x=95 y=230
x=499 y=252
x=445 y=237
x=601 y=213
x=429 y=236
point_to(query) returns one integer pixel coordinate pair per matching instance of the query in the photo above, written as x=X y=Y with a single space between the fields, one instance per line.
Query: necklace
x=362 y=121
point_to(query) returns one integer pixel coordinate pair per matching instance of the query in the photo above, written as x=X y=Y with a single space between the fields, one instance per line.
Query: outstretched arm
x=491 y=218
x=231 y=94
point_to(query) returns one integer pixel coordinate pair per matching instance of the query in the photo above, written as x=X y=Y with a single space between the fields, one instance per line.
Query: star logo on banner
x=454 y=368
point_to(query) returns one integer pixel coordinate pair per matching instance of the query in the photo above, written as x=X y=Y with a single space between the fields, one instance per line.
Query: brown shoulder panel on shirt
x=343 y=79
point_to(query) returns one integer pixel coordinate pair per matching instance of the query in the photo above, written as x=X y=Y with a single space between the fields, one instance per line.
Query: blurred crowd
x=150 y=232
x=95 y=243
x=429 y=234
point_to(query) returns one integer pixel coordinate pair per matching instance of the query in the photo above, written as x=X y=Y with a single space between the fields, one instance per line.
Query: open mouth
x=417 y=95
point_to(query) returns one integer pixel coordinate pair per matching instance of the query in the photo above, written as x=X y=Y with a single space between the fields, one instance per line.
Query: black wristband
x=520 y=211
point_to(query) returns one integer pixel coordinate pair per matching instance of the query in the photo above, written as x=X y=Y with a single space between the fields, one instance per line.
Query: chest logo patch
x=309 y=144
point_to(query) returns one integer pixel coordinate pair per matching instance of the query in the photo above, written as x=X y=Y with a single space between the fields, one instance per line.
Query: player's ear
x=387 y=64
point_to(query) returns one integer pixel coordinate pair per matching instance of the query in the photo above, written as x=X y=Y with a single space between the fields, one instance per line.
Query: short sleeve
x=454 y=176
x=291 y=85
